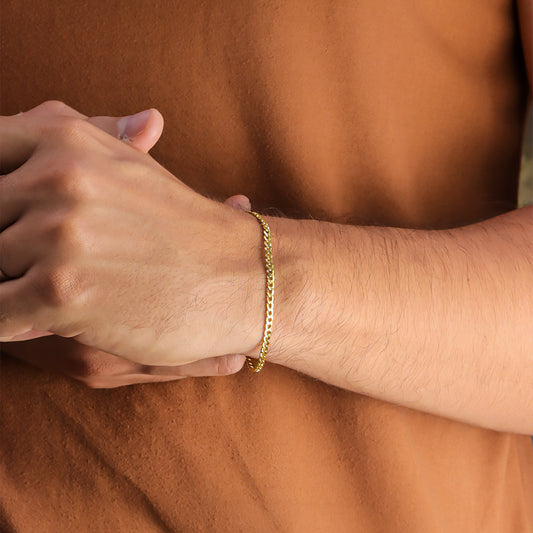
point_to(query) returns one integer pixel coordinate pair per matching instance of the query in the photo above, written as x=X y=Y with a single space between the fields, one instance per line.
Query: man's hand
x=95 y=367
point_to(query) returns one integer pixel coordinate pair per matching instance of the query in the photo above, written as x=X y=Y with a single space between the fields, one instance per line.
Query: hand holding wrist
x=136 y=264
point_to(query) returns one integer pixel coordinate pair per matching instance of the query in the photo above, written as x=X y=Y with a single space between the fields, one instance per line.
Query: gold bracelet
x=269 y=265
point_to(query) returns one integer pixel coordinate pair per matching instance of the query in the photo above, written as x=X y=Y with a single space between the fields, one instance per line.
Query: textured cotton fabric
x=398 y=113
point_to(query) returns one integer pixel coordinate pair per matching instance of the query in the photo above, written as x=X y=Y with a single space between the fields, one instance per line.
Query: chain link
x=269 y=315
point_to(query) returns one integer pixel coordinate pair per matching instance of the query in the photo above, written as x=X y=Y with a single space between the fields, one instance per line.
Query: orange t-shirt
x=392 y=113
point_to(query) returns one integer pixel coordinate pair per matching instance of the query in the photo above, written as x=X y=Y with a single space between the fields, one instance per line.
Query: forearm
x=439 y=321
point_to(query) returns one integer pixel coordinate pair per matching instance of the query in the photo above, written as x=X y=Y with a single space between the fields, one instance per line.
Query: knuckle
x=70 y=181
x=66 y=130
x=68 y=234
x=70 y=130
x=55 y=107
x=60 y=287
x=74 y=128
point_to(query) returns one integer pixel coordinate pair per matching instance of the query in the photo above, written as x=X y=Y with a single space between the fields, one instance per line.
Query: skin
x=379 y=299
x=99 y=369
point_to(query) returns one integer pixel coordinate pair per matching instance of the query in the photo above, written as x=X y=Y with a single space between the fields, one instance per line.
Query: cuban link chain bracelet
x=269 y=316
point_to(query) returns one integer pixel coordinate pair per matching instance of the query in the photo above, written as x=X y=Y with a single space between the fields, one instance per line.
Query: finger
x=29 y=336
x=113 y=382
x=141 y=130
x=15 y=196
x=19 y=134
x=239 y=201
x=18 y=247
x=223 y=365
x=52 y=107
x=102 y=370
x=145 y=127
x=17 y=143
x=20 y=307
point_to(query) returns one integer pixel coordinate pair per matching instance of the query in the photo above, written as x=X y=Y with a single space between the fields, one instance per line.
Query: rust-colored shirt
x=391 y=113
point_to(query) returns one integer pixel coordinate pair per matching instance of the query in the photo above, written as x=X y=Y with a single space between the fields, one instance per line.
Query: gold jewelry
x=269 y=316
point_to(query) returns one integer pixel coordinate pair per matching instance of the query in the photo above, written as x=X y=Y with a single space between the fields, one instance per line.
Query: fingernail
x=132 y=125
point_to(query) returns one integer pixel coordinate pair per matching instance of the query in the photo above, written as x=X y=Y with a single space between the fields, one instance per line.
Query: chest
x=364 y=111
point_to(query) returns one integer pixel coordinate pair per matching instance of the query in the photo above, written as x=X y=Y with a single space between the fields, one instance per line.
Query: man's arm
x=439 y=321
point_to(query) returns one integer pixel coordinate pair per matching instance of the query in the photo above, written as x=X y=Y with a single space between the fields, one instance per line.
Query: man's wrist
x=289 y=283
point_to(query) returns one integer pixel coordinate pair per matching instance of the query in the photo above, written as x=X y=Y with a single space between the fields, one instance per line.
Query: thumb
x=141 y=130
